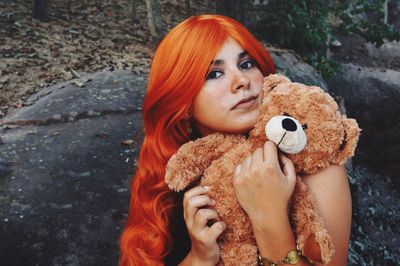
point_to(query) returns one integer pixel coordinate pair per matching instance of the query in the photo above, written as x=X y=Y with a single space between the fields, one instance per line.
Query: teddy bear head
x=305 y=123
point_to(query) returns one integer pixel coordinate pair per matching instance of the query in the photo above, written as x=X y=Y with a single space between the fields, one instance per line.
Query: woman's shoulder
x=333 y=177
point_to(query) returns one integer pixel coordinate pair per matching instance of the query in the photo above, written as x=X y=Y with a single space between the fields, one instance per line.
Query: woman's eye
x=247 y=64
x=214 y=74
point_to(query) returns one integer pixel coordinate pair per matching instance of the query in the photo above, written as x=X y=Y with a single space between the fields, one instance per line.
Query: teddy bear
x=306 y=125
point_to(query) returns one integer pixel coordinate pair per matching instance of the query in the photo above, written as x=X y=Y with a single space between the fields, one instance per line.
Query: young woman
x=206 y=76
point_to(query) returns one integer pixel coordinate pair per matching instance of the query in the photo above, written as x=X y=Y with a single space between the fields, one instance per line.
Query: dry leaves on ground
x=85 y=37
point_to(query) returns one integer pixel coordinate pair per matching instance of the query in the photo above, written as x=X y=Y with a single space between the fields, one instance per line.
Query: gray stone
x=297 y=70
x=64 y=183
x=375 y=224
x=65 y=174
x=388 y=51
x=372 y=96
x=68 y=102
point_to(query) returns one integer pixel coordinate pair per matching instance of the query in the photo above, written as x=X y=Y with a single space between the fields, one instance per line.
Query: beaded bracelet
x=293 y=257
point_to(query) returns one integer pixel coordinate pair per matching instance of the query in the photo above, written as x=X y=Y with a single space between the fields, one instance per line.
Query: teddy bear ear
x=349 y=143
x=273 y=80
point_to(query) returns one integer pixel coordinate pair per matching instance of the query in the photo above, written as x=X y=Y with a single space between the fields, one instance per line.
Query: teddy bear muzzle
x=287 y=133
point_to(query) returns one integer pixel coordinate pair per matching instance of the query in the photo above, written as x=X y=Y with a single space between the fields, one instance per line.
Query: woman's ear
x=273 y=80
x=349 y=143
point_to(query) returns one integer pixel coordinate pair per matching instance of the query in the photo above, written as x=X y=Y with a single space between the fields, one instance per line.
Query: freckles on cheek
x=212 y=99
x=258 y=77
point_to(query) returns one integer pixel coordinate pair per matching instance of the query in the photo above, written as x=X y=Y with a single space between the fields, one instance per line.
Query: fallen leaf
x=81 y=82
x=102 y=135
x=28 y=103
x=128 y=142
x=11 y=126
x=78 y=83
x=75 y=74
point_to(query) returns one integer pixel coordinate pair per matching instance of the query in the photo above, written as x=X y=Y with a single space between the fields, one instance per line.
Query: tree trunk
x=394 y=13
x=134 y=14
x=154 y=21
x=385 y=10
x=41 y=10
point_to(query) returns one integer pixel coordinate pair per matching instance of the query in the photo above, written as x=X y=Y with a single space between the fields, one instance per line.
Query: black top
x=181 y=241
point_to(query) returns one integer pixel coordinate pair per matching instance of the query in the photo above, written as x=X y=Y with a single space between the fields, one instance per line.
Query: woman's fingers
x=215 y=230
x=195 y=191
x=197 y=216
x=247 y=162
x=287 y=167
x=251 y=161
x=271 y=153
x=257 y=157
x=202 y=217
x=193 y=200
x=237 y=170
x=194 y=203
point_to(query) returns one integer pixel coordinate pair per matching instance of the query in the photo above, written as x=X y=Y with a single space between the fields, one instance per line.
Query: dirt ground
x=353 y=50
x=85 y=37
x=88 y=36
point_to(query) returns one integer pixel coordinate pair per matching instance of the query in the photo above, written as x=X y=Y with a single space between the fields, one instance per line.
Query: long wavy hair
x=178 y=72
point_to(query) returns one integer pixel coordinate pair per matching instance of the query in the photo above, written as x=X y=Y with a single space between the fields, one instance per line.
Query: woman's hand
x=264 y=183
x=197 y=215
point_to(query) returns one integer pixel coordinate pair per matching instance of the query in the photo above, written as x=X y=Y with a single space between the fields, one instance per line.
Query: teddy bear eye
x=286 y=114
x=304 y=126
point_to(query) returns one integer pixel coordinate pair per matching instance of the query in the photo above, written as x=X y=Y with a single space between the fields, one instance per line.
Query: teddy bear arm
x=191 y=160
x=348 y=146
x=312 y=236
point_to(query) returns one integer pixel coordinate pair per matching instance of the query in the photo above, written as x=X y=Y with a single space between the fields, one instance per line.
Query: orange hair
x=178 y=72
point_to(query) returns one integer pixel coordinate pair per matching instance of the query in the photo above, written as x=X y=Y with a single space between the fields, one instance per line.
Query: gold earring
x=187 y=122
x=189 y=129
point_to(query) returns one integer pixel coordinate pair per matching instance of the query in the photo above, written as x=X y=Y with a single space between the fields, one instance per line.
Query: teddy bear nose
x=289 y=125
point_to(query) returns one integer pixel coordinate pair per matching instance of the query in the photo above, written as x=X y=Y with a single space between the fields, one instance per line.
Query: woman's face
x=230 y=97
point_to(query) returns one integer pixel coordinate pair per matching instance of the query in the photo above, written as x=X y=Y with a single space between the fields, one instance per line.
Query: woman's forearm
x=275 y=241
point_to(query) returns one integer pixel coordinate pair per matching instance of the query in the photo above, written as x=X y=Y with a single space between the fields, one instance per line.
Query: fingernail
x=237 y=170
x=213 y=202
x=223 y=225
x=207 y=187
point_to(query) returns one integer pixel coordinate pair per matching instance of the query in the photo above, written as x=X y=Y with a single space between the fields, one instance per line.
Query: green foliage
x=304 y=27
x=298 y=25
x=365 y=18
x=327 y=67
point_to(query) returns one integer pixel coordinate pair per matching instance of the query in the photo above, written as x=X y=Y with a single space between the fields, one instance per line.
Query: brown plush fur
x=331 y=139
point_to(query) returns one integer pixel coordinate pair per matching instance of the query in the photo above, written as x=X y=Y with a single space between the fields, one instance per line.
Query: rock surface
x=375 y=232
x=388 y=51
x=64 y=172
x=64 y=176
x=297 y=70
x=372 y=96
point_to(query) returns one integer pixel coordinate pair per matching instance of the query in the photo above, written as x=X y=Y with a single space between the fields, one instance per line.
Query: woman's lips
x=246 y=103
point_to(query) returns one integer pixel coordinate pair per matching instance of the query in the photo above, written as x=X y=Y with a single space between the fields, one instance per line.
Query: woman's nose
x=239 y=81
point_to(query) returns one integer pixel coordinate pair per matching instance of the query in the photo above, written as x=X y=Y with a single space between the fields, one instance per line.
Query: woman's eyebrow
x=218 y=62
x=242 y=54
